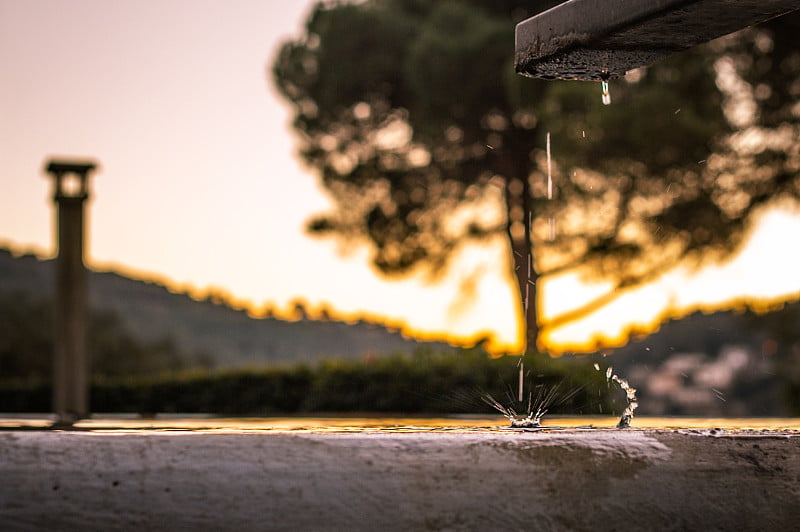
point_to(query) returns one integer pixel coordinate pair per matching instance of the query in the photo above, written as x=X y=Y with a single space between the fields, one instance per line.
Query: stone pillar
x=71 y=363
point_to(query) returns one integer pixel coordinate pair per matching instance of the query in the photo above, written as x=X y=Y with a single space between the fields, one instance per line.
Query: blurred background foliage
x=734 y=364
x=411 y=114
x=425 y=382
x=724 y=364
x=149 y=377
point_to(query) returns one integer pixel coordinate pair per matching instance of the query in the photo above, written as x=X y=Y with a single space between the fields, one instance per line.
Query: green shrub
x=426 y=382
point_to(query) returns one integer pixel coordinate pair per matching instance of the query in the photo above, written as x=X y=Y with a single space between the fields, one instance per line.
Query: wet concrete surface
x=473 y=478
x=603 y=39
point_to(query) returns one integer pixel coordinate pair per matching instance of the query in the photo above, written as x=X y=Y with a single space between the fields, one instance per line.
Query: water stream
x=531 y=413
x=606 y=96
x=630 y=396
x=551 y=219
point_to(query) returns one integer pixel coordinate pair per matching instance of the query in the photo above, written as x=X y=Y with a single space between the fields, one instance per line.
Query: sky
x=199 y=186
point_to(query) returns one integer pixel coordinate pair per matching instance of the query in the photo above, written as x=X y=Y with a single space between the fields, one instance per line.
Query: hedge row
x=421 y=383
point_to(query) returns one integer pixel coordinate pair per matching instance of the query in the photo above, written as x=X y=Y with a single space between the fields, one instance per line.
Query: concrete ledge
x=603 y=39
x=484 y=480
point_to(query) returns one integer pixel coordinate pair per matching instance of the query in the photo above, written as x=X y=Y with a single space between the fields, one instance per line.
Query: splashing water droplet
x=549 y=170
x=540 y=398
x=630 y=395
x=606 y=95
x=551 y=220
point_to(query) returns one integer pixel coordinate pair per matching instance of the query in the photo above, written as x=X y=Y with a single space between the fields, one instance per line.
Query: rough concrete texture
x=500 y=480
x=603 y=39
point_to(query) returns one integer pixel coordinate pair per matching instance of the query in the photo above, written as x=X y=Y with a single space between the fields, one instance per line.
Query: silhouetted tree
x=426 y=138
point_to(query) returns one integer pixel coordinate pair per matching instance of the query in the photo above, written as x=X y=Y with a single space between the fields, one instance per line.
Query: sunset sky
x=198 y=184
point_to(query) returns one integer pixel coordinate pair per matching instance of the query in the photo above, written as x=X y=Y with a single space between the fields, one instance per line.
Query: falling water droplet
x=606 y=95
x=551 y=219
x=549 y=170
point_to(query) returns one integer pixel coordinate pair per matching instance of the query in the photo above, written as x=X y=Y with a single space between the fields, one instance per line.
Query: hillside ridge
x=231 y=337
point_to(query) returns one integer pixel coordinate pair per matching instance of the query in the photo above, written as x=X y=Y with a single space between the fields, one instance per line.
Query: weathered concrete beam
x=572 y=480
x=603 y=39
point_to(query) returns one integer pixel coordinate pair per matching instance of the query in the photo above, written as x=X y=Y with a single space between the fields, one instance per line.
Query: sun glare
x=761 y=276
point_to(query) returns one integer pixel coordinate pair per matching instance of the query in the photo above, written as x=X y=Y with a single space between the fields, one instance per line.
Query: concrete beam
x=492 y=480
x=603 y=39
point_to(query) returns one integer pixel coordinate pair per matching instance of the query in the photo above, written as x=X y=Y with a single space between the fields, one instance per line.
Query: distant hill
x=228 y=336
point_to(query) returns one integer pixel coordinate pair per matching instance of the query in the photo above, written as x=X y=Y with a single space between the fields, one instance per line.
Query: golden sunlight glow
x=761 y=276
x=481 y=303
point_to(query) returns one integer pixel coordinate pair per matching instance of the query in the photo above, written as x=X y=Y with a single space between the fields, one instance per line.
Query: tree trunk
x=519 y=209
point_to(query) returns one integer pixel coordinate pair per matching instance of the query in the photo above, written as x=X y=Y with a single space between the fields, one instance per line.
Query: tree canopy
x=426 y=139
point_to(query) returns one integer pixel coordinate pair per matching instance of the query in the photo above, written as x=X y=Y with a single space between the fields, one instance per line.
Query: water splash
x=537 y=405
x=630 y=395
x=523 y=421
x=606 y=94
